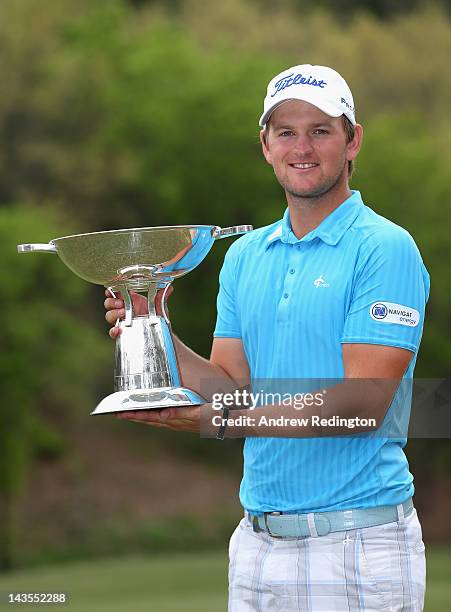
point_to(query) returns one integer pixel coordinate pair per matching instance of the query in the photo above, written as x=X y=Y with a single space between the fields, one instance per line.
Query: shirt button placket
x=287 y=288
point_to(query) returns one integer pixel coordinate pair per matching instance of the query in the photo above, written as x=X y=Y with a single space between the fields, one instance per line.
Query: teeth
x=304 y=166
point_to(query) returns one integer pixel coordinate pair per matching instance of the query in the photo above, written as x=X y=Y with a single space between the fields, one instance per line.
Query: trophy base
x=148 y=399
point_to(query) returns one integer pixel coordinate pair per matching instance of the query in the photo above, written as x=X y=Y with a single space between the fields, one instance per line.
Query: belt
x=315 y=524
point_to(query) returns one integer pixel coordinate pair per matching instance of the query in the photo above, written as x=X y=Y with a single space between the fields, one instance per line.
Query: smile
x=305 y=166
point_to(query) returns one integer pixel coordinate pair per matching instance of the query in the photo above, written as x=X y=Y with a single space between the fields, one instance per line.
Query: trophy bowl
x=142 y=259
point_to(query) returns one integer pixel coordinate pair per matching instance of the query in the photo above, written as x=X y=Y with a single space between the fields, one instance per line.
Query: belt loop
x=400 y=510
x=348 y=522
x=311 y=524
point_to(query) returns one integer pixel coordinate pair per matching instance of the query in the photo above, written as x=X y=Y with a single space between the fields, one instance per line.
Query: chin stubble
x=320 y=191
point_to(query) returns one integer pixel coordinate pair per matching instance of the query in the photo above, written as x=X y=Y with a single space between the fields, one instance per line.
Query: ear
x=353 y=147
x=265 y=149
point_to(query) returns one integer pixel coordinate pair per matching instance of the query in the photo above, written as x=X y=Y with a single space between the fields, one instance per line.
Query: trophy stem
x=146 y=371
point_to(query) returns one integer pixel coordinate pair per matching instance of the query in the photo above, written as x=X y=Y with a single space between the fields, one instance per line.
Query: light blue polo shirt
x=356 y=278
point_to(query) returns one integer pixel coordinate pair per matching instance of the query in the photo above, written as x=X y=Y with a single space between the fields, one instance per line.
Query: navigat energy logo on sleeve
x=388 y=312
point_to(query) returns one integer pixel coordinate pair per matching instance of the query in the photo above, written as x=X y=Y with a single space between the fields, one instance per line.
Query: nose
x=303 y=144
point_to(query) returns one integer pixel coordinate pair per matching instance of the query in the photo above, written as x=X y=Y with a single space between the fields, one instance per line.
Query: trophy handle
x=163 y=305
x=223 y=232
x=36 y=248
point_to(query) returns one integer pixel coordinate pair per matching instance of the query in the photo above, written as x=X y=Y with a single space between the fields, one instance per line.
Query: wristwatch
x=225 y=416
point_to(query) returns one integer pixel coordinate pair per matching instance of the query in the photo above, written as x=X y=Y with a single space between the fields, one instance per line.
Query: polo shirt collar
x=330 y=230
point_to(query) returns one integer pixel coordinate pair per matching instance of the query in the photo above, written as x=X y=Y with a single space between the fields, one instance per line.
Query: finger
x=114 y=332
x=140 y=415
x=168 y=414
x=113 y=315
x=153 y=417
x=149 y=423
x=111 y=303
x=189 y=413
x=116 y=294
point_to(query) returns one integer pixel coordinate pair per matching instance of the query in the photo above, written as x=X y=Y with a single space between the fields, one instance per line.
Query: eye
x=320 y=131
x=286 y=133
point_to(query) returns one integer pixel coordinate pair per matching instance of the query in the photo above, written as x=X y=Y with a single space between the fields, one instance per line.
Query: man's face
x=308 y=149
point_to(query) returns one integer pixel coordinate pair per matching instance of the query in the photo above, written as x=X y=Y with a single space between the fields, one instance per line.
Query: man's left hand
x=179 y=419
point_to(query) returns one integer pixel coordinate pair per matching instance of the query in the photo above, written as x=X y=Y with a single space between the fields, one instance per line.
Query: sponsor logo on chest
x=320 y=282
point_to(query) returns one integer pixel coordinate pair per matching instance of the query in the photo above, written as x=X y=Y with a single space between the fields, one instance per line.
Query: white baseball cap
x=319 y=85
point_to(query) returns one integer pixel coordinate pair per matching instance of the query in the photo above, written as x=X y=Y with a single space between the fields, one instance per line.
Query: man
x=331 y=291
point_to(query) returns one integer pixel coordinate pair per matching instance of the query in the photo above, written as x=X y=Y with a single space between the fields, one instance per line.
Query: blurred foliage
x=40 y=367
x=341 y=9
x=344 y=9
x=146 y=118
x=121 y=114
x=118 y=537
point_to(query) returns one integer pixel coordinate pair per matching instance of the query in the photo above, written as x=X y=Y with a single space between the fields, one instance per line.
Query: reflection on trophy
x=143 y=260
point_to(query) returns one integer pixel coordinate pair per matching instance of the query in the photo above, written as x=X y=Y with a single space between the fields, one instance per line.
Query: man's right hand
x=116 y=310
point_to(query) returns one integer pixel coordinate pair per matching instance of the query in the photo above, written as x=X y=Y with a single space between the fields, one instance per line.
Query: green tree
x=45 y=345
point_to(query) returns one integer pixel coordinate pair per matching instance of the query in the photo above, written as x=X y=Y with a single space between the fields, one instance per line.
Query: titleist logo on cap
x=289 y=80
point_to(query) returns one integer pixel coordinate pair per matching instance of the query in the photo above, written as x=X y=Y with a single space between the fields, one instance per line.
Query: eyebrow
x=323 y=124
x=281 y=126
x=313 y=125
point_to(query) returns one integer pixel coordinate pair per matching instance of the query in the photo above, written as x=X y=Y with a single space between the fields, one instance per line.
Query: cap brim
x=329 y=109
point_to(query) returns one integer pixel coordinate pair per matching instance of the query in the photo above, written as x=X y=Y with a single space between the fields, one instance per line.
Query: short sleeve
x=227 y=321
x=389 y=293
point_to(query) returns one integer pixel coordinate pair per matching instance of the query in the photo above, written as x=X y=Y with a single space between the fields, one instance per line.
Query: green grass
x=195 y=582
x=438 y=581
x=189 y=582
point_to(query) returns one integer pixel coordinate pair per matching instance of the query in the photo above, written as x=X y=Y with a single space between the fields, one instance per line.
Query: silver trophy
x=143 y=259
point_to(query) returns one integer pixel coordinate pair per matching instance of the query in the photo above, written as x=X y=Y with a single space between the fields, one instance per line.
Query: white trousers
x=373 y=569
